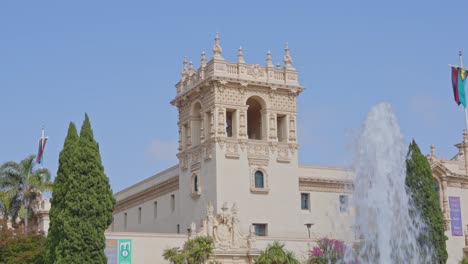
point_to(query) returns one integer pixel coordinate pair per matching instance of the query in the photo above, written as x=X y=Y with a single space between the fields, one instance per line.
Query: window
x=195 y=183
x=155 y=210
x=172 y=202
x=125 y=221
x=343 y=203
x=178 y=229
x=305 y=201
x=259 y=180
x=281 y=128
x=139 y=215
x=260 y=229
x=231 y=122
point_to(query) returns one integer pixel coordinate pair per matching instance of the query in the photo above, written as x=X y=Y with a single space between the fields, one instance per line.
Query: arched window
x=254 y=119
x=195 y=124
x=195 y=183
x=259 y=180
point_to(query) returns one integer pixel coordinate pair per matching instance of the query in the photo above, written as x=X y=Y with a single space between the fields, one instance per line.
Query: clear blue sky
x=119 y=61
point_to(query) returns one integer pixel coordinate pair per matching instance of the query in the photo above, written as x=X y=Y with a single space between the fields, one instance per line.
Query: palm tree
x=5 y=208
x=23 y=184
x=276 y=254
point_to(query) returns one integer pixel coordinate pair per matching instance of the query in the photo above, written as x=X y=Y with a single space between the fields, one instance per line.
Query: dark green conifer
x=420 y=183
x=86 y=209
x=66 y=173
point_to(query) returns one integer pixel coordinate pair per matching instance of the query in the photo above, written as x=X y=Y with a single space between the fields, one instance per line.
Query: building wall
x=455 y=243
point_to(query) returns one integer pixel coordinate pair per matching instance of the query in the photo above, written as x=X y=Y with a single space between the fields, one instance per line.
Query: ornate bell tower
x=238 y=138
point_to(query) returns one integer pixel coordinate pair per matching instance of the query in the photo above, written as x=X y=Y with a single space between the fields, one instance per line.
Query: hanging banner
x=455 y=216
x=111 y=251
x=125 y=251
x=119 y=251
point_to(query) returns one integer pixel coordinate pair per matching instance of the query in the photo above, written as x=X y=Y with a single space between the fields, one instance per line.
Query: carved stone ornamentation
x=256 y=71
x=232 y=150
x=224 y=229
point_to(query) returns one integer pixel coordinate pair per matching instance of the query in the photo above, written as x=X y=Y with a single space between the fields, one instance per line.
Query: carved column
x=221 y=121
x=446 y=206
x=243 y=124
x=189 y=135
x=202 y=128
x=180 y=138
x=292 y=128
x=272 y=127
x=212 y=122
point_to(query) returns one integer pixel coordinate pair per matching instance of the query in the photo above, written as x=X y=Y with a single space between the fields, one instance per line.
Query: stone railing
x=238 y=71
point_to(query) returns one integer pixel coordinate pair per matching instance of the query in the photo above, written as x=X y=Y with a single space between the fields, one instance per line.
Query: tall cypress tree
x=85 y=210
x=96 y=198
x=65 y=174
x=420 y=183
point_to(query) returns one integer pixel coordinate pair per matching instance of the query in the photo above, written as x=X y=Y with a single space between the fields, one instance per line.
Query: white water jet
x=387 y=232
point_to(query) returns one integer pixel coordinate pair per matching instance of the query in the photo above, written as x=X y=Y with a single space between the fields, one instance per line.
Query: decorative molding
x=325 y=185
x=153 y=192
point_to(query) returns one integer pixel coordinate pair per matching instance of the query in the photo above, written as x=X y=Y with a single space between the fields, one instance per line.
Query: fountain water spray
x=386 y=229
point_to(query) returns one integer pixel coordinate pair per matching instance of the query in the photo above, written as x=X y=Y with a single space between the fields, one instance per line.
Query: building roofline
x=325 y=167
x=147 y=179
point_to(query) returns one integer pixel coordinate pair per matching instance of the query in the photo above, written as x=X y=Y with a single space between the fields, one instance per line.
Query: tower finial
x=240 y=55
x=184 y=68
x=287 y=57
x=269 y=61
x=217 y=48
x=203 y=59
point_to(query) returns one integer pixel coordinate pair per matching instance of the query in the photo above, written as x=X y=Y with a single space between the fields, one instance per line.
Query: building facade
x=238 y=153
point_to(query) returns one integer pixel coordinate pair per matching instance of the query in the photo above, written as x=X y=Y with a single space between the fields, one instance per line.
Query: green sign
x=125 y=251
x=119 y=251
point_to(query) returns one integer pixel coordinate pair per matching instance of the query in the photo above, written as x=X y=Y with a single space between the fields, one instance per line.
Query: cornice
x=325 y=185
x=150 y=193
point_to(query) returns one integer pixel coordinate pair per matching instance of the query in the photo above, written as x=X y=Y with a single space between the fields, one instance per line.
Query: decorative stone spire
x=184 y=68
x=433 y=153
x=287 y=57
x=203 y=59
x=191 y=66
x=269 y=61
x=240 y=55
x=217 y=48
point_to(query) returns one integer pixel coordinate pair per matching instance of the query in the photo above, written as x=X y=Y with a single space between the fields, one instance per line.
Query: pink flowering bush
x=327 y=251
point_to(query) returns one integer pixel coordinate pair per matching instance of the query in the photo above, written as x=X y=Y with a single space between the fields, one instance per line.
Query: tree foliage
x=420 y=184
x=20 y=185
x=327 y=251
x=21 y=248
x=195 y=251
x=276 y=254
x=64 y=181
x=82 y=202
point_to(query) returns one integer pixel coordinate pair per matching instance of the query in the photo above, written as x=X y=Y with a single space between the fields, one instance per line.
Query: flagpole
x=460 y=55
x=42 y=140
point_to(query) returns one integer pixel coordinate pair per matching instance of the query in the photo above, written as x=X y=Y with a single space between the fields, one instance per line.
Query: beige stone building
x=239 y=178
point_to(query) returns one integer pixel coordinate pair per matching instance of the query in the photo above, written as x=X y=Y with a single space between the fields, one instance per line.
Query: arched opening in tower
x=254 y=119
x=196 y=124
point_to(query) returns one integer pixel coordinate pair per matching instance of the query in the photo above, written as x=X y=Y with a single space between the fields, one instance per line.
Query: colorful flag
x=40 y=152
x=458 y=84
